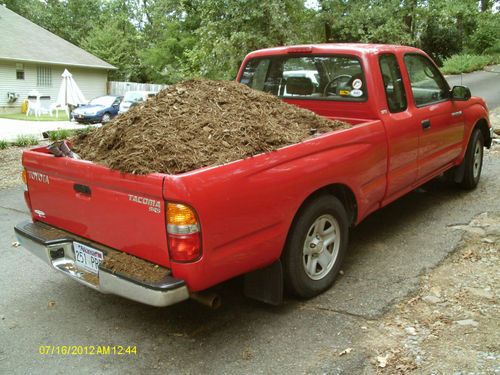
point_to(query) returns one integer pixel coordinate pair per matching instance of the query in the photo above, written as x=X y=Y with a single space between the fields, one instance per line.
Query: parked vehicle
x=278 y=218
x=132 y=98
x=100 y=109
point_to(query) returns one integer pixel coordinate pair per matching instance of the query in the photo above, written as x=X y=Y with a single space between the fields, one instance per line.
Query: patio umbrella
x=69 y=93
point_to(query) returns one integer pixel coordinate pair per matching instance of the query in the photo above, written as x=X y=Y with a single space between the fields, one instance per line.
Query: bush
x=486 y=35
x=467 y=63
x=59 y=134
x=25 y=140
x=3 y=144
x=85 y=130
x=494 y=49
x=441 y=41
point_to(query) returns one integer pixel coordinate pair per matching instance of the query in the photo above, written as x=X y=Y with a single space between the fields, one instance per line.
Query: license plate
x=87 y=257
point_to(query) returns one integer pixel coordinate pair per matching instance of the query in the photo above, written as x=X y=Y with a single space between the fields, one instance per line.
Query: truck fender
x=482 y=124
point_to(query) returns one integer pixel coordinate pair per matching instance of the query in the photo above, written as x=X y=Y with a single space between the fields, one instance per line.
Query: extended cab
x=278 y=218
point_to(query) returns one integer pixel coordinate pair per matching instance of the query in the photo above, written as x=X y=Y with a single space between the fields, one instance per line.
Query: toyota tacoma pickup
x=281 y=218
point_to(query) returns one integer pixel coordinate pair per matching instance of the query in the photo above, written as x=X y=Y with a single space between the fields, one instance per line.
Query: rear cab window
x=326 y=77
x=395 y=93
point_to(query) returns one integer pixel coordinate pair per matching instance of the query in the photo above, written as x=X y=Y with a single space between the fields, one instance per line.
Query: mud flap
x=266 y=284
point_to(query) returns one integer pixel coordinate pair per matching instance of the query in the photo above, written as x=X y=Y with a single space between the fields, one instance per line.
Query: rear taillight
x=183 y=231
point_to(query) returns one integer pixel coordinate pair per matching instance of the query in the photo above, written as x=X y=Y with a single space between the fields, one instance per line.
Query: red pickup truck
x=282 y=218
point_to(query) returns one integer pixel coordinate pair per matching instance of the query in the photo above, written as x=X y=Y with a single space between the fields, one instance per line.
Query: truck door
x=401 y=128
x=441 y=119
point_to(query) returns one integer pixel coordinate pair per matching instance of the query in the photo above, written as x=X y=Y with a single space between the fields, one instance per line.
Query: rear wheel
x=473 y=160
x=316 y=247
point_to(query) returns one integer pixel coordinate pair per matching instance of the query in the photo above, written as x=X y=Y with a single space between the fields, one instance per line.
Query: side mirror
x=460 y=93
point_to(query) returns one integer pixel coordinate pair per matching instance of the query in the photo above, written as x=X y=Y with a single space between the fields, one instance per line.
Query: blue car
x=100 y=109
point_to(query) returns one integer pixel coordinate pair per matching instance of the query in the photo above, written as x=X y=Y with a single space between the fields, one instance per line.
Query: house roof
x=22 y=40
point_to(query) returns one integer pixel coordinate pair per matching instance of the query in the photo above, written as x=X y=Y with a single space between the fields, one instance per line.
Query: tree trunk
x=328 y=33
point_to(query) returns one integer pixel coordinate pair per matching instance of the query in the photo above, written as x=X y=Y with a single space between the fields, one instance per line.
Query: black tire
x=473 y=161
x=106 y=118
x=298 y=272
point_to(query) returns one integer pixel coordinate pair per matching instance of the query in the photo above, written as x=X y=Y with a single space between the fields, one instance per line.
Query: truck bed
x=236 y=203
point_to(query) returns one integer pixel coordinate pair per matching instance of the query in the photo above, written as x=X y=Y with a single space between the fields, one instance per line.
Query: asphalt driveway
x=388 y=252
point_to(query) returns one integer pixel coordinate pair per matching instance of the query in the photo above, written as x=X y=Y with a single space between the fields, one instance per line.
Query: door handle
x=456 y=114
x=426 y=124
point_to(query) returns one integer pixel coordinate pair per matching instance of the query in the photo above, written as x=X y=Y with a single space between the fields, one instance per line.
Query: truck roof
x=340 y=48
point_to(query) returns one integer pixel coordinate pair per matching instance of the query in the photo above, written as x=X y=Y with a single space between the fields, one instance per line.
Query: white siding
x=92 y=82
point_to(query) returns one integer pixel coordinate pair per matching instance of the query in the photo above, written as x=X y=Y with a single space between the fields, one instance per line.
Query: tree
x=229 y=29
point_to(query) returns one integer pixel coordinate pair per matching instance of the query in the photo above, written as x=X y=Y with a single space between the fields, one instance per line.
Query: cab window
x=307 y=77
x=427 y=84
x=393 y=83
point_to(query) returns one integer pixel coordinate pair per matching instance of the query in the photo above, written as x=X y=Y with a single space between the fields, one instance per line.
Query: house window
x=19 y=71
x=44 y=76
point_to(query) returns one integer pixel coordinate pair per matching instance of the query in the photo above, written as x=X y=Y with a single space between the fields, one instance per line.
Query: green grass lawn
x=44 y=117
x=466 y=63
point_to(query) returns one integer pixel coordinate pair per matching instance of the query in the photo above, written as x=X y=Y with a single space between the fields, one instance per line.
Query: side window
x=255 y=74
x=393 y=83
x=427 y=84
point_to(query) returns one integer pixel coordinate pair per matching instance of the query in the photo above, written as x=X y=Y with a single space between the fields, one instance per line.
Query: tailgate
x=121 y=211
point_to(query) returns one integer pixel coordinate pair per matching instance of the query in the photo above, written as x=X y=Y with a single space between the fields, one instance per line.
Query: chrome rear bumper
x=55 y=247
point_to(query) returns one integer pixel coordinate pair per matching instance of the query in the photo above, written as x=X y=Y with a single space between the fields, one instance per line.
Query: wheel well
x=483 y=126
x=343 y=193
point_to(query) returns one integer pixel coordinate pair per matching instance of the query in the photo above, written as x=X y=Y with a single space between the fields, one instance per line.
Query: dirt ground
x=10 y=167
x=451 y=325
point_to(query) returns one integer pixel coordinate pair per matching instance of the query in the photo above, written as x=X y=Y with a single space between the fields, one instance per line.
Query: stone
x=478 y=292
x=467 y=322
x=411 y=331
x=493 y=230
x=431 y=299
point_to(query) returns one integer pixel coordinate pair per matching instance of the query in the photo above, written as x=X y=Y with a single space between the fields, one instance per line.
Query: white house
x=32 y=58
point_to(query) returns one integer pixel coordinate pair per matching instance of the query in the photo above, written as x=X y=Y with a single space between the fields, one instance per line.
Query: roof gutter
x=110 y=67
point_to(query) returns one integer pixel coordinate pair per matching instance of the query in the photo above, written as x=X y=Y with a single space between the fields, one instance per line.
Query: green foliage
x=487 y=33
x=467 y=63
x=494 y=49
x=25 y=140
x=440 y=41
x=229 y=29
x=84 y=130
x=368 y=21
x=59 y=134
x=116 y=43
x=3 y=144
x=165 y=41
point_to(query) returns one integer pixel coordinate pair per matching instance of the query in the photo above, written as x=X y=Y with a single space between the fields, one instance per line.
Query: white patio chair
x=34 y=107
x=58 y=107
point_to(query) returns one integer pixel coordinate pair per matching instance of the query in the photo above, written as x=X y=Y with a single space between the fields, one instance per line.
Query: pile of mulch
x=199 y=123
x=131 y=266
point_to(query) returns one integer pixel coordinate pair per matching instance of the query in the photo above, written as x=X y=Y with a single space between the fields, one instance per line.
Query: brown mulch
x=133 y=267
x=199 y=123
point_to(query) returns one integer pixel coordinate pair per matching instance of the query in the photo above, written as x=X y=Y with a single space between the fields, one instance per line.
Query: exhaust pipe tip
x=211 y=300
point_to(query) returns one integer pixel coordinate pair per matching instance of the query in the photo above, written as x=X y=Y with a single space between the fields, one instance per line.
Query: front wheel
x=473 y=161
x=315 y=247
x=106 y=118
